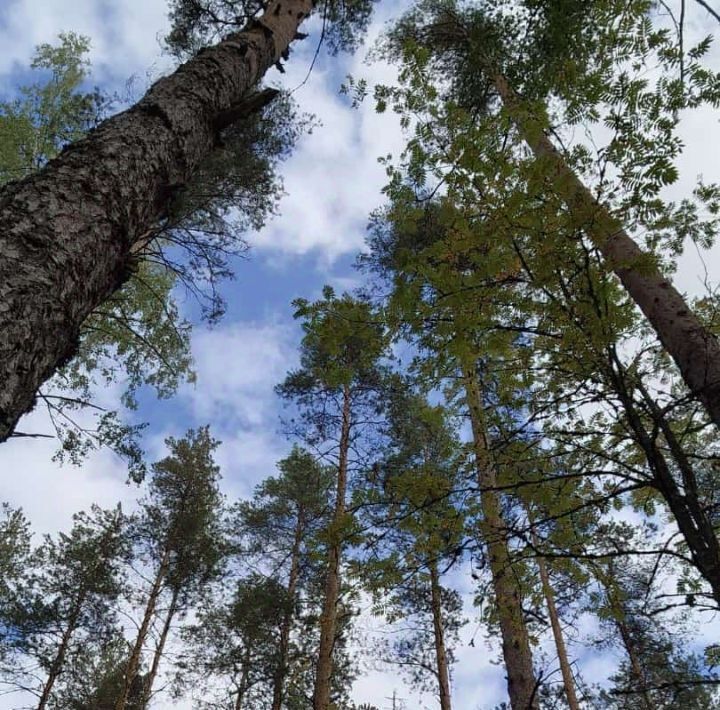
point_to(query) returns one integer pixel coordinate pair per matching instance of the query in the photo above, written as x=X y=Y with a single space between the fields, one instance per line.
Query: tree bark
x=691 y=517
x=244 y=680
x=694 y=349
x=328 y=619
x=157 y=656
x=67 y=232
x=522 y=684
x=59 y=660
x=443 y=672
x=279 y=681
x=563 y=660
x=133 y=663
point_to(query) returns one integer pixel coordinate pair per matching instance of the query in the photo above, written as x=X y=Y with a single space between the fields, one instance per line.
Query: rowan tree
x=513 y=62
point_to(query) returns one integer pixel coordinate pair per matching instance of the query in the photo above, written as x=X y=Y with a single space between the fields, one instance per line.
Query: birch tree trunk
x=522 y=684
x=67 y=232
x=443 y=672
x=694 y=349
x=133 y=664
x=279 y=682
x=328 y=619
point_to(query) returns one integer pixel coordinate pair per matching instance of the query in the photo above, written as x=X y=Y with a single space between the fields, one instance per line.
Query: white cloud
x=125 y=35
x=50 y=493
x=237 y=367
x=333 y=180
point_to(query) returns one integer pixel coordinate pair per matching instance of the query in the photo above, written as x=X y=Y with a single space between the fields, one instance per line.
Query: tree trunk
x=157 y=657
x=244 y=680
x=694 y=349
x=565 y=668
x=67 y=232
x=691 y=518
x=443 y=672
x=279 y=681
x=328 y=619
x=522 y=685
x=133 y=663
x=59 y=660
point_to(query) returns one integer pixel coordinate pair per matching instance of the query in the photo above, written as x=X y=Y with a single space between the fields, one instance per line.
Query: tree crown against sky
x=574 y=356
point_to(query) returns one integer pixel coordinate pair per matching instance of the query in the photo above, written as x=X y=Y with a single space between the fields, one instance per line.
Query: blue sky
x=333 y=181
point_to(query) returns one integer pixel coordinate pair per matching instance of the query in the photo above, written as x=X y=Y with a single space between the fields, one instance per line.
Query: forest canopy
x=364 y=355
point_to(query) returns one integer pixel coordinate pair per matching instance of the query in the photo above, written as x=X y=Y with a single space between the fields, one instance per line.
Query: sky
x=332 y=182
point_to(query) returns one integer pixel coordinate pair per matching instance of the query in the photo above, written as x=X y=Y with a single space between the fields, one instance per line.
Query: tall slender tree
x=419 y=530
x=69 y=600
x=280 y=526
x=179 y=538
x=657 y=672
x=485 y=52
x=336 y=390
x=417 y=246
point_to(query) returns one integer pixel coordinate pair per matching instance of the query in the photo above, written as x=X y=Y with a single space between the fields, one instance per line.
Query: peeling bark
x=328 y=619
x=522 y=684
x=67 y=232
x=695 y=350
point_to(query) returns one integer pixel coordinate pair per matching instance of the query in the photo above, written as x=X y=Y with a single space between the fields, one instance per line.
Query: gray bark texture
x=67 y=232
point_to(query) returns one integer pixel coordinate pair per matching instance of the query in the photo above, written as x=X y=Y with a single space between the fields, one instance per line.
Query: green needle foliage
x=66 y=603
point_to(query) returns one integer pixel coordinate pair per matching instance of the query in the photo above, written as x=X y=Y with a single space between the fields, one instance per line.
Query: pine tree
x=136 y=339
x=179 y=538
x=15 y=566
x=68 y=601
x=656 y=672
x=97 y=679
x=337 y=386
x=421 y=248
x=285 y=515
x=419 y=535
x=233 y=648
x=117 y=183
